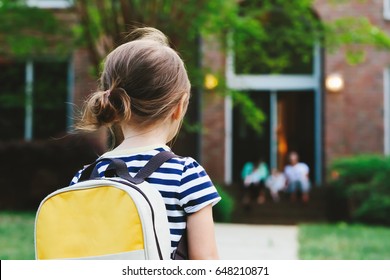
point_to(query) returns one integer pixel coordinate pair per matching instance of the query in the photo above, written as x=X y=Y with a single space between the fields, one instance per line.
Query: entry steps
x=284 y=212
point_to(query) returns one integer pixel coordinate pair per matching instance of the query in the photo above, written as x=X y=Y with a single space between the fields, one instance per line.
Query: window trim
x=386 y=9
x=50 y=4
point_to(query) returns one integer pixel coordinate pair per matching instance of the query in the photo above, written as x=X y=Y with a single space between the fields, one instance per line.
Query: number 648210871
x=235 y=270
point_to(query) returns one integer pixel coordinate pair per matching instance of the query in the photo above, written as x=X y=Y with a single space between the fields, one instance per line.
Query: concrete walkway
x=256 y=242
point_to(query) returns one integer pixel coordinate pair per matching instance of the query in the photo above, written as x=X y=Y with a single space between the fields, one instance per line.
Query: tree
x=277 y=22
x=276 y=33
x=27 y=32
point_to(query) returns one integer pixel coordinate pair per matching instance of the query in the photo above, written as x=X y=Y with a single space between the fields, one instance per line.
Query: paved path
x=240 y=242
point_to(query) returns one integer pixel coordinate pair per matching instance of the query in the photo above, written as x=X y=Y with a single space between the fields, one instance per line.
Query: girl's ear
x=180 y=109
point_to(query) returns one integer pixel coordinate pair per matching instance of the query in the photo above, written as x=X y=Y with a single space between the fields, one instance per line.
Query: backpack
x=116 y=216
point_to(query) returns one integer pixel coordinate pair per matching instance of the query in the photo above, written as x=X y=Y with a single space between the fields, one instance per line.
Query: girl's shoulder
x=135 y=159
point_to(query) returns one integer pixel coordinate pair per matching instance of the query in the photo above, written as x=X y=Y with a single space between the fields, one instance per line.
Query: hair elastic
x=107 y=93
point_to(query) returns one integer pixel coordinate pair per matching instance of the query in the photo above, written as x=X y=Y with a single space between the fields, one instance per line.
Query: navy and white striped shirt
x=182 y=182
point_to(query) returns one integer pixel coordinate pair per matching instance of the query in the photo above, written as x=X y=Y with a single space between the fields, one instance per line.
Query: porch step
x=283 y=212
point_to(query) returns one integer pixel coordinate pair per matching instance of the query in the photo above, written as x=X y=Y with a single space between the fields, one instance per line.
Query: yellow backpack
x=120 y=217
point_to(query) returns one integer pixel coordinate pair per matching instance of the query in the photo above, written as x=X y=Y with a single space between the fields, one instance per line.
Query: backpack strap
x=118 y=167
x=181 y=252
x=153 y=164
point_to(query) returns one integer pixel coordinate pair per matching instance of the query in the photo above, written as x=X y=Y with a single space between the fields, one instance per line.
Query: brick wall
x=354 y=117
x=213 y=115
x=84 y=83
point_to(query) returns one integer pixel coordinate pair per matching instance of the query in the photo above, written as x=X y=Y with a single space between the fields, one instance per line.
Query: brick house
x=303 y=115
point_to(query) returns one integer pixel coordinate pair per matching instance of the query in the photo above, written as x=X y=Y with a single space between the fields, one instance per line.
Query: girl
x=145 y=92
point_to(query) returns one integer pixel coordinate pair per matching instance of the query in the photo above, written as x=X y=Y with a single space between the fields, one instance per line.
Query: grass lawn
x=17 y=236
x=316 y=241
x=343 y=242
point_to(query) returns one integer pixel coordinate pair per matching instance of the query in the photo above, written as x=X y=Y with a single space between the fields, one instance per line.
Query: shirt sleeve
x=75 y=178
x=197 y=190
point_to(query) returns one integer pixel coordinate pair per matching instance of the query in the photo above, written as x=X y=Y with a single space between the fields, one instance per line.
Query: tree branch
x=82 y=8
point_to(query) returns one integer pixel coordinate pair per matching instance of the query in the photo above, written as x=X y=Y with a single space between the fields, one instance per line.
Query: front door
x=289 y=127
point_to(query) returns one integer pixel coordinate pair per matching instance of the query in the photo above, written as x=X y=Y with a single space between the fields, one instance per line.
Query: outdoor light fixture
x=210 y=82
x=334 y=82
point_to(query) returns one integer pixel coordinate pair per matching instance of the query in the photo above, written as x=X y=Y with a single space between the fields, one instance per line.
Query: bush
x=365 y=182
x=32 y=170
x=223 y=211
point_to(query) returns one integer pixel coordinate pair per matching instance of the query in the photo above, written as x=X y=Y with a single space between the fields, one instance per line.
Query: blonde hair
x=142 y=80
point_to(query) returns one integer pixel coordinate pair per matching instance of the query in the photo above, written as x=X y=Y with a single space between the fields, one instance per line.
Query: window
x=272 y=43
x=53 y=4
x=12 y=100
x=49 y=98
x=33 y=99
x=386 y=9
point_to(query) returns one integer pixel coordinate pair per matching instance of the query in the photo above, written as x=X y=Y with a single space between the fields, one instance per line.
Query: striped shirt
x=182 y=182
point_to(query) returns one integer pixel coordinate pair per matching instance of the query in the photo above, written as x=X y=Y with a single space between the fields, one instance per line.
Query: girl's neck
x=152 y=136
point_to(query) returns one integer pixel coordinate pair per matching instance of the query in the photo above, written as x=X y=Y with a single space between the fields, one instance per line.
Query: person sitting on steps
x=297 y=176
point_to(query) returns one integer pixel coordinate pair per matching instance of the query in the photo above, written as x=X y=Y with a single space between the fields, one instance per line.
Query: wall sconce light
x=210 y=81
x=334 y=82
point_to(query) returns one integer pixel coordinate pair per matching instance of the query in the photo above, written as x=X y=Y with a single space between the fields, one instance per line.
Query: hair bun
x=148 y=33
x=106 y=108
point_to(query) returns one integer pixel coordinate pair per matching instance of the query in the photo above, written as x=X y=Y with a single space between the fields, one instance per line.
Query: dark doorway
x=249 y=145
x=296 y=127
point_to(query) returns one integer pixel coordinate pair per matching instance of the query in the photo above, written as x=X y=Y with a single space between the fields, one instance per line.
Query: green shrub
x=223 y=211
x=365 y=182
